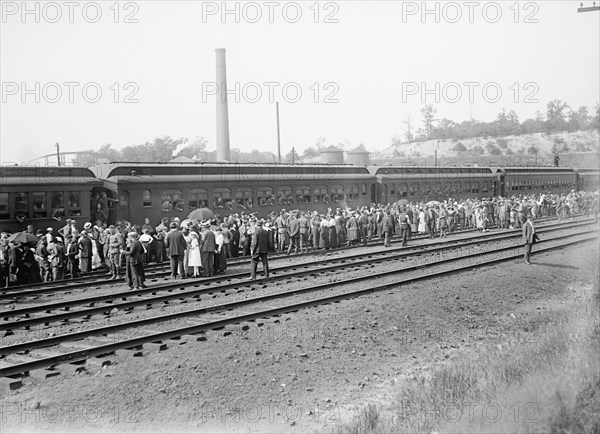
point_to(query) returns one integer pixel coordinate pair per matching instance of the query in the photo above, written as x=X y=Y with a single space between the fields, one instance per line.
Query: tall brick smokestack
x=222 y=110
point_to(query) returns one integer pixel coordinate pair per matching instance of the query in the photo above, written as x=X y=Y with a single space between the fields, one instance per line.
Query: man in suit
x=529 y=237
x=208 y=247
x=135 y=251
x=176 y=246
x=293 y=230
x=430 y=221
x=259 y=249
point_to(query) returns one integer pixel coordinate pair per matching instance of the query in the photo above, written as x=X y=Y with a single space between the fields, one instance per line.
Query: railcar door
x=124 y=206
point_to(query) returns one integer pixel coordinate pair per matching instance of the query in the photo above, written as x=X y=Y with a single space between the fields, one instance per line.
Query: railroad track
x=20 y=294
x=173 y=291
x=15 y=364
x=156 y=271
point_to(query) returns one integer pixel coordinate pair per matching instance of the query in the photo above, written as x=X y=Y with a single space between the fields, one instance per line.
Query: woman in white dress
x=194 y=259
x=422 y=225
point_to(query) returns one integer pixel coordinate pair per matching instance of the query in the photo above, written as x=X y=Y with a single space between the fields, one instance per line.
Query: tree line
x=559 y=116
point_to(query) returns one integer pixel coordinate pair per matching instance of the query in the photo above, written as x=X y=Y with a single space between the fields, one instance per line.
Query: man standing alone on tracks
x=259 y=250
x=529 y=237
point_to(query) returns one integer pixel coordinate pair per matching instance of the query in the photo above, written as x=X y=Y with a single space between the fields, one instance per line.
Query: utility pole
x=293 y=154
x=57 y=153
x=278 y=134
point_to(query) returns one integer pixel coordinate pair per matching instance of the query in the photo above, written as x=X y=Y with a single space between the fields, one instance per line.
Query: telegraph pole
x=278 y=135
x=57 y=153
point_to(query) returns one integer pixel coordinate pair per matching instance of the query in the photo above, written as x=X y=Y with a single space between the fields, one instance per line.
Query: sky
x=84 y=74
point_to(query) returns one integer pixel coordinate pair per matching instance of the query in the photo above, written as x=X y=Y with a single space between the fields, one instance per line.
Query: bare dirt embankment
x=493 y=339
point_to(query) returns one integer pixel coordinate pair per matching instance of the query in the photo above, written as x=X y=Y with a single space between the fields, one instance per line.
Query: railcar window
x=484 y=187
x=337 y=194
x=147 y=199
x=437 y=188
x=284 y=196
x=197 y=198
x=447 y=188
x=243 y=198
x=476 y=187
x=321 y=194
x=38 y=199
x=265 y=196
x=57 y=202
x=22 y=204
x=303 y=194
x=222 y=198
x=467 y=187
x=124 y=198
x=414 y=190
x=426 y=189
x=172 y=200
x=74 y=203
x=393 y=189
x=403 y=190
x=4 y=213
x=351 y=193
x=456 y=188
x=363 y=188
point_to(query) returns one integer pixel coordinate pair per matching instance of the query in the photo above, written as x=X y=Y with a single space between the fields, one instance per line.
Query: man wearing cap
x=176 y=246
x=529 y=237
x=259 y=249
x=56 y=257
x=115 y=243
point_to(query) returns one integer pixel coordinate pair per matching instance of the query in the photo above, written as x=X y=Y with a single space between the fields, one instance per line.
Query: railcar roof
x=46 y=174
x=204 y=169
x=407 y=169
x=537 y=169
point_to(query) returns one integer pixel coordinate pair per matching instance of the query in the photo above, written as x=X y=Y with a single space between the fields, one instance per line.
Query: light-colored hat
x=87 y=225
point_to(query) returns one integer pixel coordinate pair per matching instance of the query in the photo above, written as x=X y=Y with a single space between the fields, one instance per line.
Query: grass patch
x=544 y=377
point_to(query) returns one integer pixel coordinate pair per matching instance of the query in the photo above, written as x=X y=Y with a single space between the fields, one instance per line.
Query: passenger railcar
x=175 y=189
x=425 y=183
x=45 y=196
x=526 y=180
x=588 y=179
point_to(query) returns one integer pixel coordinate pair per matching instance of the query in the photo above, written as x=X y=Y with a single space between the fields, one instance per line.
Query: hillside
x=577 y=149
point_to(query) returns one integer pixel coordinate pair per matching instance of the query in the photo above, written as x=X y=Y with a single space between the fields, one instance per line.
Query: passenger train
x=46 y=196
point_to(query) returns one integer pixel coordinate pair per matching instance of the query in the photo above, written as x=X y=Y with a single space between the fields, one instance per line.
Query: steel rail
x=194 y=293
x=13 y=295
x=97 y=276
x=157 y=337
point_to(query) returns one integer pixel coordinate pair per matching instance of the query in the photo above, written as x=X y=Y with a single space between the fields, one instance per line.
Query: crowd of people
x=196 y=249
